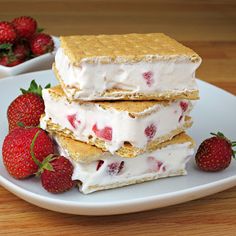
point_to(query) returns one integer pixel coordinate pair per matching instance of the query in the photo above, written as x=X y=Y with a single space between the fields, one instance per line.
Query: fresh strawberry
x=105 y=133
x=41 y=43
x=215 y=153
x=7 y=32
x=26 y=108
x=21 y=51
x=6 y=60
x=56 y=174
x=12 y=55
x=17 y=150
x=25 y=26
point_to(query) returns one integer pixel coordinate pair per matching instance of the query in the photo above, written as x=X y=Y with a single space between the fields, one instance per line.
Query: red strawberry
x=16 y=151
x=150 y=131
x=7 y=32
x=26 y=108
x=73 y=121
x=13 y=55
x=25 y=26
x=100 y=163
x=215 y=153
x=105 y=133
x=148 y=77
x=21 y=51
x=6 y=60
x=41 y=43
x=56 y=177
x=184 y=106
x=115 y=168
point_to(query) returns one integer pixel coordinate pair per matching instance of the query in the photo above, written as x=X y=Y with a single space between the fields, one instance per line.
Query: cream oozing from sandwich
x=113 y=171
x=88 y=81
x=88 y=121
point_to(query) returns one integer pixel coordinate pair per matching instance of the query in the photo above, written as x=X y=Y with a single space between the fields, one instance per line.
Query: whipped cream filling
x=117 y=171
x=89 y=121
x=89 y=81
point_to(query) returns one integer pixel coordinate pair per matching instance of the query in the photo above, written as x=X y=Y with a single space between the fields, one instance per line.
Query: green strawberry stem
x=35 y=88
x=32 y=149
x=45 y=164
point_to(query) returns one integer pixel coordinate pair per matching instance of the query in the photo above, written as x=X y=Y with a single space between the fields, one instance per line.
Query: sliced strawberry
x=148 y=77
x=150 y=131
x=105 y=133
x=180 y=118
x=115 y=168
x=184 y=106
x=155 y=165
x=100 y=163
x=72 y=120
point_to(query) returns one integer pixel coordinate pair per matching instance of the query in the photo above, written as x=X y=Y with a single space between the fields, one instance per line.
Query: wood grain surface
x=209 y=27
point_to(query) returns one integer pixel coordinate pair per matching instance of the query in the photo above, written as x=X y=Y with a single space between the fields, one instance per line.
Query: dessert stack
x=122 y=107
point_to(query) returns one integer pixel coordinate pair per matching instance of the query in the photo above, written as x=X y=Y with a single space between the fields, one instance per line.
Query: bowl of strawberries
x=24 y=47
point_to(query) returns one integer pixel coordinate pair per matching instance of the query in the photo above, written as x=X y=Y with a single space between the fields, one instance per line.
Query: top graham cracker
x=126 y=48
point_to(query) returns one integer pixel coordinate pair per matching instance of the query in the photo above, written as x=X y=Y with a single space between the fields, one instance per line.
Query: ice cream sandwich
x=96 y=170
x=127 y=128
x=126 y=67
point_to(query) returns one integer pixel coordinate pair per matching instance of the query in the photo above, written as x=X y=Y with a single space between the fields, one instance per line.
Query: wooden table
x=209 y=27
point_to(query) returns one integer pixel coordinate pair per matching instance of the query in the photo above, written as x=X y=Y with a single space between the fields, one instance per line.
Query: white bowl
x=42 y=62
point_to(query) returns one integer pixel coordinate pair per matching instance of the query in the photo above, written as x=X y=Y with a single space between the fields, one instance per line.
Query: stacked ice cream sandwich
x=122 y=107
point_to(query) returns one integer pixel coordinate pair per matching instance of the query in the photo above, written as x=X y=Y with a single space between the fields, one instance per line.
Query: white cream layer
x=92 y=80
x=112 y=126
x=164 y=162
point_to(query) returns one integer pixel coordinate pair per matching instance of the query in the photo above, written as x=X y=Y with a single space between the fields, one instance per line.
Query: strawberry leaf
x=39 y=30
x=46 y=165
x=6 y=46
x=35 y=88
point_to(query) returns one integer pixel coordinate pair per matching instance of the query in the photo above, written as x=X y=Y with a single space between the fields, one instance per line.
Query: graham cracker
x=121 y=94
x=85 y=153
x=126 y=48
x=127 y=150
x=134 y=108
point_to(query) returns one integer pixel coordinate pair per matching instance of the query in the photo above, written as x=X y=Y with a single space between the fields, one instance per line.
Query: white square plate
x=216 y=111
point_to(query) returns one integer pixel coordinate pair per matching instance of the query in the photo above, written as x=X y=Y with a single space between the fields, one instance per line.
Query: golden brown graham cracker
x=127 y=150
x=85 y=153
x=134 y=108
x=125 y=48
